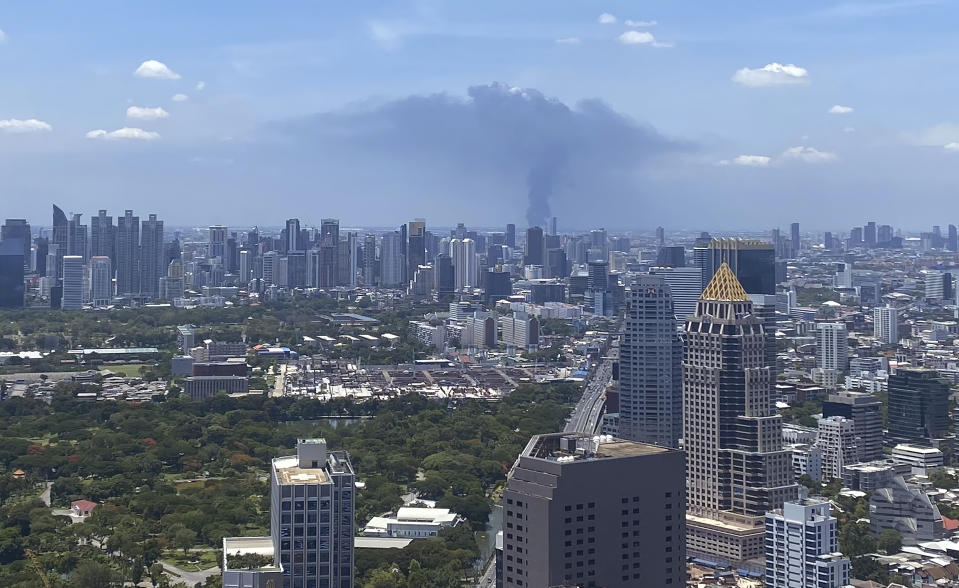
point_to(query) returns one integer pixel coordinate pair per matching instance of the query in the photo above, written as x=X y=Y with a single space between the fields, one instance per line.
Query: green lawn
x=194 y=561
x=130 y=370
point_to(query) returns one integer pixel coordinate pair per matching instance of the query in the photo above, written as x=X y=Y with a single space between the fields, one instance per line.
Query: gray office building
x=594 y=512
x=864 y=410
x=650 y=372
x=311 y=524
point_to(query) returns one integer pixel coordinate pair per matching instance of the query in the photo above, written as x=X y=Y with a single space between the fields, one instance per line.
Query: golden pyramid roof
x=724 y=286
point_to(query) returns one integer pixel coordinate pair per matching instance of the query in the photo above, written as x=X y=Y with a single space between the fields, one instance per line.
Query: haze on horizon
x=722 y=116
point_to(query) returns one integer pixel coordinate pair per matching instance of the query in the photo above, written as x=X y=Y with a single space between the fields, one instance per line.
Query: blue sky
x=743 y=139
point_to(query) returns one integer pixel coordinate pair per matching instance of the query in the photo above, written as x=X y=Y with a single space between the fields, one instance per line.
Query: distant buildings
x=11 y=273
x=802 y=547
x=72 y=282
x=753 y=262
x=579 y=511
x=886 y=324
x=918 y=406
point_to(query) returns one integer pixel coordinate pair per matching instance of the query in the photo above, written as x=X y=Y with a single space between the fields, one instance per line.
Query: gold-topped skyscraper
x=736 y=468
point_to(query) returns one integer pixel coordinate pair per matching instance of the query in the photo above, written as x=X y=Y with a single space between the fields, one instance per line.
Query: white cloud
x=30 y=125
x=180 y=98
x=752 y=160
x=124 y=133
x=807 y=155
x=773 y=74
x=200 y=85
x=155 y=69
x=641 y=38
x=954 y=146
x=606 y=18
x=838 y=109
x=3 y=36
x=568 y=41
x=640 y=23
x=936 y=136
x=146 y=113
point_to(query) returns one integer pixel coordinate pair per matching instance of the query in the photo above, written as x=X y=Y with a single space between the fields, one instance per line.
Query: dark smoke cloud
x=497 y=130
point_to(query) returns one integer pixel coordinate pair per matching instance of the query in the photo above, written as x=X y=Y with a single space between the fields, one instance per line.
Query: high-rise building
x=293 y=238
x=18 y=228
x=831 y=346
x=886 y=324
x=392 y=260
x=152 y=267
x=77 y=238
x=952 y=240
x=556 y=264
x=41 y=250
x=533 y=255
x=127 y=263
x=599 y=242
x=802 y=547
x=673 y=256
x=329 y=239
x=795 y=241
x=101 y=280
x=217 y=244
x=686 y=284
x=445 y=277
x=59 y=236
x=865 y=411
x=753 y=262
x=103 y=237
x=346 y=261
x=584 y=511
x=938 y=286
x=736 y=469
x=837 y=441
x=246 y=266
x=869 y=234
x=465 y=265
x=11 y=273
x=520 y=331
x=415 y=245
x=497 y=286
x=311 y=524
x=369 y=260
x=650 y=366
x=72 y=283
x=918 y=406
x=511 y=236
x=660 y=236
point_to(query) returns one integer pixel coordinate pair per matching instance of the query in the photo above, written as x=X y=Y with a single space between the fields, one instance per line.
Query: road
x=587 y=413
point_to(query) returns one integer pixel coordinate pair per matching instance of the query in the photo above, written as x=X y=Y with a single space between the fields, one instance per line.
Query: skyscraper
x=72 y=283
x=415 y=245
x=802 y=547
x=511 y=236
x=101 y=280
x=128 y=254
x=671 y=256
x=11 y=273
x=753 y=262
x=152 y=267
x=329 y=241
x=952 y=240
x=445 y=277
x=685 y=284
x=552 y=226
x=77 y=240
x=294 y=241
x=391 y=260
x=918 y=401
x=217 y=245
x=103 y=237
x=869 y=234
x=796 y=242
x=59 y=239
x=650 y=366
x=369 y=260
x=736 y=468
x=533 y=255
x=311 y=524
x=498 y=286
x=831 y=352
x=582 y=511
x=660 y=236
x=465 y=265
x=18 y=228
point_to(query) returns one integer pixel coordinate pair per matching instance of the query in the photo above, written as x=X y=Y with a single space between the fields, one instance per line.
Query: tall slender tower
x=650 y=374
x=152 y=267
x=103 y=238
x=128 y=254
x=736 y=467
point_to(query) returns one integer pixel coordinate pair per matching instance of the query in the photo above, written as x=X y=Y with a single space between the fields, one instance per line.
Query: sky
x=628 y=115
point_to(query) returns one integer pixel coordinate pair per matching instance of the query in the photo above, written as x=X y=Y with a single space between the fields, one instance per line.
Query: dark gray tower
x=128 y=254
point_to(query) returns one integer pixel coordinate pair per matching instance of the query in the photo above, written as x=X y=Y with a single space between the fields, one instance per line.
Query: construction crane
x=35 y=563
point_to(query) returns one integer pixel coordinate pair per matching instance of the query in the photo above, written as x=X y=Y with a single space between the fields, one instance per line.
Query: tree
x=391 y=578
x=93 y=574
x=185 y=539
x=890 y=541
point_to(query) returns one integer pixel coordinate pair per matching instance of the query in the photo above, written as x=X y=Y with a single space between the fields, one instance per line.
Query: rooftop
x=564 y=447
x=724 y=286
x=288 y=471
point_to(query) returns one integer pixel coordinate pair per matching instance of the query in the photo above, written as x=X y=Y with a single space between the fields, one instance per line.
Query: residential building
x=802 y=547
x=737 y=467
x=886 y=324
x=101 y=280
x=520 y=331
x=465 y=265
x=72 y=282
x=594 y=512
x=650 y=366
x=806 y=461
x=152 y=267
x=127 y=263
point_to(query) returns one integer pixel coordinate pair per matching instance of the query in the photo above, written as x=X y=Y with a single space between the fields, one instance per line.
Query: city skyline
x=200 y=114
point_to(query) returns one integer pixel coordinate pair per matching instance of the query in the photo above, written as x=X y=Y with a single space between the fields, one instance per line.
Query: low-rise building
x=917 y=457
x=412 y=522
